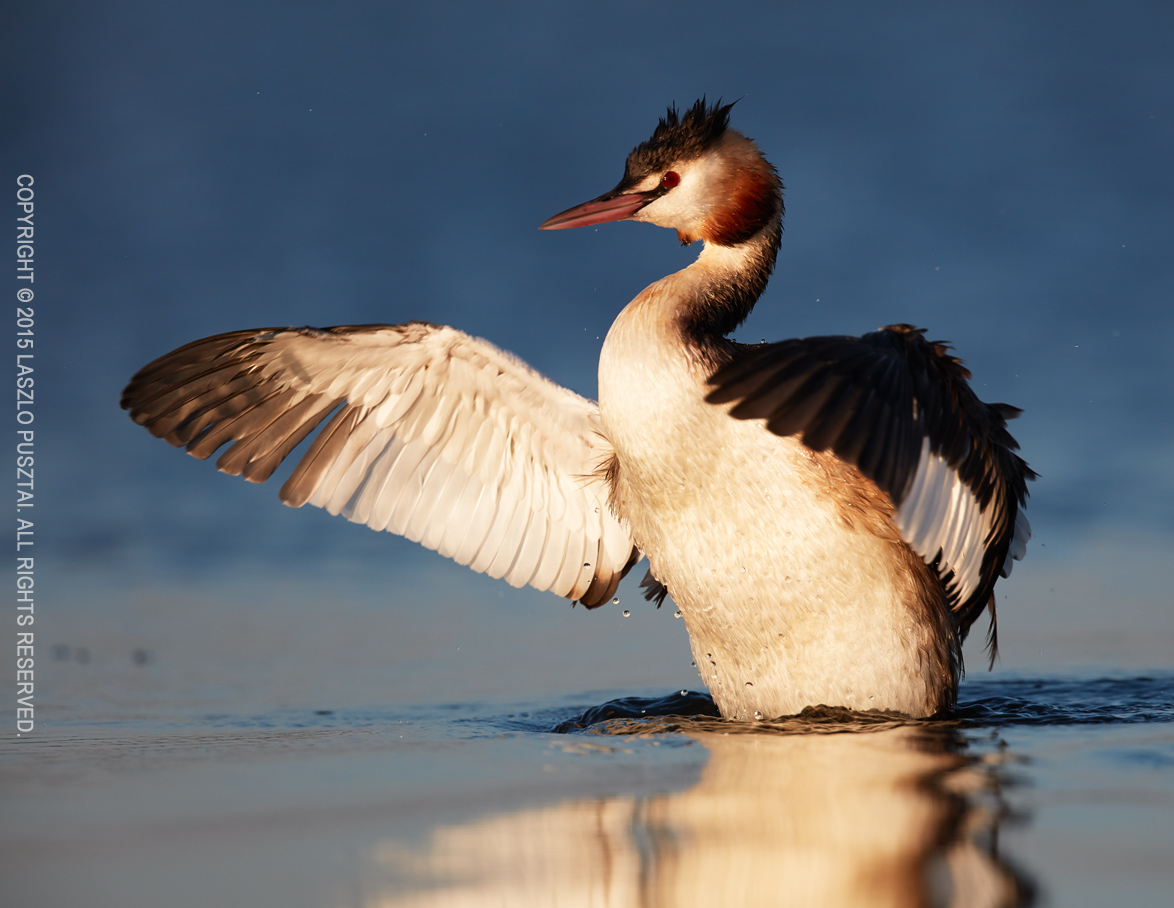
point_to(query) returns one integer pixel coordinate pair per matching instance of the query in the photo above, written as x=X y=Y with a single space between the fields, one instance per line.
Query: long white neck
x=681 y=321
x=661 y=350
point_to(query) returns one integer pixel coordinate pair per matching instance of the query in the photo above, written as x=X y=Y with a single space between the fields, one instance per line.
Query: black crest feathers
x=678 y=137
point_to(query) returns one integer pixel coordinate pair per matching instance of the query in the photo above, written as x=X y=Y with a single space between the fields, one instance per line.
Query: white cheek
x=679 y=208
x=686 y=205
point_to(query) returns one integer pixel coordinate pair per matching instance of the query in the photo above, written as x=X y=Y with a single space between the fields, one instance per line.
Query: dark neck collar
x=725 y=297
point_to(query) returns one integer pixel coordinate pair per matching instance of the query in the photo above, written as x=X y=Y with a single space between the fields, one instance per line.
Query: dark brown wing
x=899 y=409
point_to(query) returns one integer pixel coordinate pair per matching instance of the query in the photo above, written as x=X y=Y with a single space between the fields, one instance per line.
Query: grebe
x=830 y=514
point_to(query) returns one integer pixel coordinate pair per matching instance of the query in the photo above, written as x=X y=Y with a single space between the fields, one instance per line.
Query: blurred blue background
x=997 y=173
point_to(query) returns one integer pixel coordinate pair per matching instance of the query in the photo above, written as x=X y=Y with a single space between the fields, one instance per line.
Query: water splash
x=982 y=704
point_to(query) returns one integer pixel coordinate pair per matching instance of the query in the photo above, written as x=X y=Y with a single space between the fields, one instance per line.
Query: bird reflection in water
x=891 y=814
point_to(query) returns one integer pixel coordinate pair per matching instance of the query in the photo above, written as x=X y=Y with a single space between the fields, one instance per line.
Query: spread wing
x=900 y=410
x=432 y=434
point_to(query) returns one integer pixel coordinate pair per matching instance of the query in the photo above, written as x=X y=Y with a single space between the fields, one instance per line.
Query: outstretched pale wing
x=435 y=435
x=899 y=409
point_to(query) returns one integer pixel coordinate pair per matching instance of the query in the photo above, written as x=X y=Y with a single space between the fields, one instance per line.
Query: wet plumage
x=829 y=514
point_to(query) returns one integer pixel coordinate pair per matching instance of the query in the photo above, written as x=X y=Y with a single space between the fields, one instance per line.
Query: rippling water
x=631 y=802
x=986 y=702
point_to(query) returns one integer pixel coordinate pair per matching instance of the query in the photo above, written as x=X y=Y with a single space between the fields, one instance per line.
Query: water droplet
x=626 y=613
x=743 y=570
x=616 y=601
x=684 y=693
x=757 y=716
x=677 y=613
x=749 y=683
x=586 y=564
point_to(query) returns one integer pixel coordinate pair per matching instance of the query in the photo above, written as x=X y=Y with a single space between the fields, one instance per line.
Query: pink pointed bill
x=597 y=211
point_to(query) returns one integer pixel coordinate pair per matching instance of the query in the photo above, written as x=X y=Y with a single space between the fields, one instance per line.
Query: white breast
x=789 y=600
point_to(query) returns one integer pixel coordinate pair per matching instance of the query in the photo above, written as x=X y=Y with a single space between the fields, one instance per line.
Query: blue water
x=223 y=683
x=533 y=802
x=989 y=702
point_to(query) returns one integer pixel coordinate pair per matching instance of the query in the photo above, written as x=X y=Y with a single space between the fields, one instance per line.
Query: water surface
x=486 y=803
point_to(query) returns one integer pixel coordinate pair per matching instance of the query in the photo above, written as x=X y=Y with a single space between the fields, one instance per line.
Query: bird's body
x=792 y=580
x=830 y=515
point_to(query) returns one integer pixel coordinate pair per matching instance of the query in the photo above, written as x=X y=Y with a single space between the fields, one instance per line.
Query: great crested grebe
x=830 y=514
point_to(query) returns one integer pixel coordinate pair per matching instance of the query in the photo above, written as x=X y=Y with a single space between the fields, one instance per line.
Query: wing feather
x=508 y=503
x=553 y=556
x=317 y=476
x=898 y=408
x=428 y=432
x=480 y=502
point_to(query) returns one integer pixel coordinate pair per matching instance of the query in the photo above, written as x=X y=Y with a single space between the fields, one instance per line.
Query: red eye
x=670 y=179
